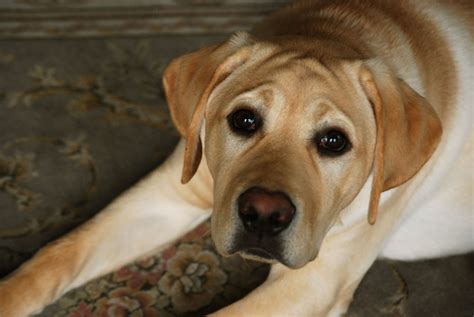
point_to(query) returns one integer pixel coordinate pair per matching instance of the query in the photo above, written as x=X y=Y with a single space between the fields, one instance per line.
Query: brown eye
x=244 y=121
x=332 y=143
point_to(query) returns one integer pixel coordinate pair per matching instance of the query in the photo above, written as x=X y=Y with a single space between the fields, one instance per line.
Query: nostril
x=249 y=217
x=279 y=218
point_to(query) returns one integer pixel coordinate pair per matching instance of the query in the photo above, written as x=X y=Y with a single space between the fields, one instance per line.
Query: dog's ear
x=408 y=130
x=188 y=82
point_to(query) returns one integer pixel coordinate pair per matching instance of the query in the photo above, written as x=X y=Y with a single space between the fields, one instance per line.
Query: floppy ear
x=188 y=82
x=408 y=131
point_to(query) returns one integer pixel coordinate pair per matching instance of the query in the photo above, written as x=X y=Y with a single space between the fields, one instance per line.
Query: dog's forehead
x=293 y=80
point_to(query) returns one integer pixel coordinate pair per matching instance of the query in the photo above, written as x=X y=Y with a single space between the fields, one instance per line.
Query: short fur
x=394 y=75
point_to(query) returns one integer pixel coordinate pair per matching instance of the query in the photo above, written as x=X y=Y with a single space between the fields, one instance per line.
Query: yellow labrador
x=336 y=132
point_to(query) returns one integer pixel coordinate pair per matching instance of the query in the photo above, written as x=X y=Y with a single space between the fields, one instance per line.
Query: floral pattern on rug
x=187 y=279
x=69 y=119
x=128 y=80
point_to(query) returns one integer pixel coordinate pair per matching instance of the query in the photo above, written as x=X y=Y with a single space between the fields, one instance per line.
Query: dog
x=334 y=133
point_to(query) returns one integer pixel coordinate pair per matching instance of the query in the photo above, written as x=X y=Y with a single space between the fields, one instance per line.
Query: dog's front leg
x=152 y=214
x=325 y=286
x=321 y=288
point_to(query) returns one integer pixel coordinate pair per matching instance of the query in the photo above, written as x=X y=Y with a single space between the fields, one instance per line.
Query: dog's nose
x=265 y=212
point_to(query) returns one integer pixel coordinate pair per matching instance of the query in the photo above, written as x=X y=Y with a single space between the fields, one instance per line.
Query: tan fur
x=381 y=71
x=408 y=132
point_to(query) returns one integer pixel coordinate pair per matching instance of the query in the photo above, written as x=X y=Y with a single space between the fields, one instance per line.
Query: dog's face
x=290 y=140
x=294 y=142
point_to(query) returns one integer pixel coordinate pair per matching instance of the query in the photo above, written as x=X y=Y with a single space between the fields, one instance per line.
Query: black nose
x=265 y=212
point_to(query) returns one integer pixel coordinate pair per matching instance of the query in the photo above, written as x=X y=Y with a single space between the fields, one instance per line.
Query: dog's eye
x=332 y=143
x=244 y=121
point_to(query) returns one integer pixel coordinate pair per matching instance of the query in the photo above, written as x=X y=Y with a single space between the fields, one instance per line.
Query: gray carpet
x=82 y=120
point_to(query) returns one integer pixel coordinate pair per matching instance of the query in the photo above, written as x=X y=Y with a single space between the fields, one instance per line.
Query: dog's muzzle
x=264 y=215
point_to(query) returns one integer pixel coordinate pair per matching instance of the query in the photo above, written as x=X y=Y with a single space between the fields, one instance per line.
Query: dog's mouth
x=269 y=251
x=261 y=253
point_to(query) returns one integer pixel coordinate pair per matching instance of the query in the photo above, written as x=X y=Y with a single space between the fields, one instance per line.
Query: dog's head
x=291 y=137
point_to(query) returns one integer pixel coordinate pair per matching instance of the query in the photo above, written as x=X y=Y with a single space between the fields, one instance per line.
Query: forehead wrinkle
x=324 y=107
x=339 y=100
x=296 y=78
x=315 y=74
x=267 y=96
x=343 y=109
x=325 y=71
x=281 y=61
x=279 y=57
x=328 y=68
x=253 y=88
x=260 y=92
x=310 y=74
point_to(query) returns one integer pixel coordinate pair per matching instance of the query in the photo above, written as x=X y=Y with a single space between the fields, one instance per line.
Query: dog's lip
x=260 y=253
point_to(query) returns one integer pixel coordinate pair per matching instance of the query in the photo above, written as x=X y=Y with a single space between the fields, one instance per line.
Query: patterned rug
x=187 y=279
x=81 y=121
